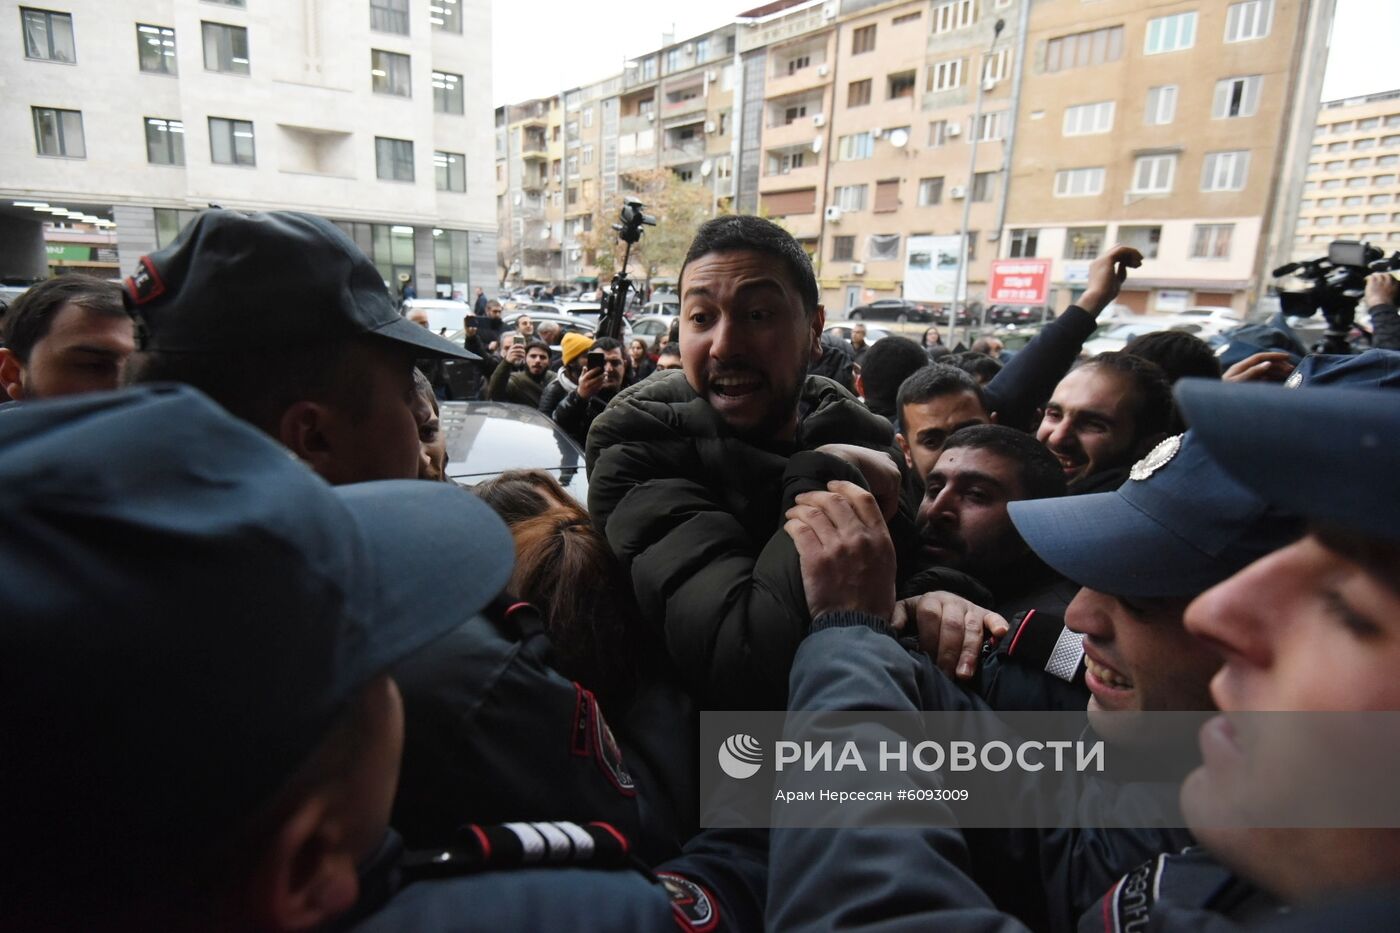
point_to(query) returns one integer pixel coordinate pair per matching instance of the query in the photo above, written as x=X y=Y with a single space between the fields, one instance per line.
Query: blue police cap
x=185 y=609
x=1328 y=453
x=1178 y=526
x=1374 y=369
x=266 y=281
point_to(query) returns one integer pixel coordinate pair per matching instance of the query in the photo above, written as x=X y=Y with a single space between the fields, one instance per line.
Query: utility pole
x=959 y=299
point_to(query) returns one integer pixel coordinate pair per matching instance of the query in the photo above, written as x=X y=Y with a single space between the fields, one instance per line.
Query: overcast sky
x=541 y=47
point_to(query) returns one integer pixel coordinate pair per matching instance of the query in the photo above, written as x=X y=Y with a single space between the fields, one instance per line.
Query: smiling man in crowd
x=64 y=336
x=689 y=471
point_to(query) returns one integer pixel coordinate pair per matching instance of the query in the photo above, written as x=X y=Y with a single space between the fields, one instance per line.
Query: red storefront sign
x=1019 y=282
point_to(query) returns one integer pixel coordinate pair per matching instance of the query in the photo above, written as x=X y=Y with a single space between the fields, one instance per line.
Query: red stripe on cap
x=1020 y=631
x=621 y=839
x=513 y=607
x=1107 y=902
x=481 y=838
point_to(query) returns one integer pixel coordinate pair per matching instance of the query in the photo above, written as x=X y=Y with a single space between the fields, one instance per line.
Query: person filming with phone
x=523 y=373
x=599 y=373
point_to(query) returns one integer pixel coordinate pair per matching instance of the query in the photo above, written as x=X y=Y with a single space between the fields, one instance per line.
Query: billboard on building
x=1019 y=282
x=931 y=268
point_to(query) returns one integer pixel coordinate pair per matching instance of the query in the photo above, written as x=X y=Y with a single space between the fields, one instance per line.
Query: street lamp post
x=959 y=297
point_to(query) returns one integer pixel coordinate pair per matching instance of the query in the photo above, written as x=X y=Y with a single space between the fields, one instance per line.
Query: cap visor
x=1105 y=543
x=1310 y=451
x=437 y=556
x=427 y=343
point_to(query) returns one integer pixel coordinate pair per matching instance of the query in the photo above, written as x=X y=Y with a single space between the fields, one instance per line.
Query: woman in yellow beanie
x=573 y=347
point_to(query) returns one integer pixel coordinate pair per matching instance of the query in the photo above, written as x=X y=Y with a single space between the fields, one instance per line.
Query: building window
x=797 y=63
x=855 y=146
x=1248 y=20
x=1083 y=49
x=390 y=73
x=882 y=247
x=450 y=167
x=59 y=132
x=984 y=186
x=587 y=154
x=1363 y=144
x=1089 y=119
x=937 y=133
x=781 y=163
x=930 y=191
x=389 y=16
x=843 y=248
x=1360 y=181
x=231 y=142
x=155 y=49
x=48 y=36
x=971 y=243
x=858 y=93
x=850 y=198
x=1153 y=174
x=1170 y=33
x=672 y=62
x=587 y=117
x=649 y=68
x=571 y=165
x=702 y=50
x=1211 y=241
x=1023 y=243
x=997 y=65
x=1078 y=182
x=447 y=93
x=991 y=126
x=1336 y=165
x=1083 y=242
x=1226 y=171
x=225 y=48
x=1236 y=97
x=863 y=40
x=1146 y=240
x=446 y=15
x=393 y=159
x=1161 y=105
x=1381 y=180
x=165 y=141
x=901 y=85
x=906 y=18
x=958 y=14
x=240 y=4
x=944 y=76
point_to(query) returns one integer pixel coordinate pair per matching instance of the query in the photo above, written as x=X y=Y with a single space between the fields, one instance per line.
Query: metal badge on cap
x=1157 y=458
x=1295 y=380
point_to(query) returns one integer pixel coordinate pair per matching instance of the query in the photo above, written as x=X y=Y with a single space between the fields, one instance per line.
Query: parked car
x=444 y=316
x=891 y=309
x=668 y=304
x=842 y=329
x=1115 y=334
x=484 y=439
x=570 y=323
x=1018 y=315
x=651 y=325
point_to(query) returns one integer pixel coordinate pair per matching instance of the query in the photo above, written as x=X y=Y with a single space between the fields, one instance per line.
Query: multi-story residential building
x=1180 y=127
x=1351 y=191
x=129 y=117
x=1168 y=126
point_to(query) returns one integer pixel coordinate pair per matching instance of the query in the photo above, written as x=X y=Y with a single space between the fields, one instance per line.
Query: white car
x=652 y=325
x=842 y=329
x=443 y=316
x=1115 y=335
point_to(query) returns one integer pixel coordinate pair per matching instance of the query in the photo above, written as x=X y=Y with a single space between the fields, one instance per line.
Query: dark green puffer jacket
x=695 y=514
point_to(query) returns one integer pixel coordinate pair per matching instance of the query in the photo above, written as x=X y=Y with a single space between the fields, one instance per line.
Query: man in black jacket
x=689 y=473
x=596 y=387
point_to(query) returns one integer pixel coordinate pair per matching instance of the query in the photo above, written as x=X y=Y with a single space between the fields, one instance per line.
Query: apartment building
x=1180 y=127
x=1168 y=126
x=129 y=117
x=1351 y=191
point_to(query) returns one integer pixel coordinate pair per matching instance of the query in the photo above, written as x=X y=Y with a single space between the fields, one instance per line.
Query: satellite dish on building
x=706 y=168
x=544 y=234
x=817 y=144
x=899 y=138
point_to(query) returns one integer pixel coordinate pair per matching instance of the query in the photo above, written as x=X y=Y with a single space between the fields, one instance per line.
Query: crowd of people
x=264 y=669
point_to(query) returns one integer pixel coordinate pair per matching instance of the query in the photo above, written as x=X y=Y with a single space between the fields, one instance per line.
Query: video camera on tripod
x=629 y=231
x=1336 y=284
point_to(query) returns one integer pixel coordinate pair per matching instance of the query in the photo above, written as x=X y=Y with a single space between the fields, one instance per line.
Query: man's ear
x=904 y=446
x=11 y=374
x=304 y=429
x=817 y=322
x=306 y=875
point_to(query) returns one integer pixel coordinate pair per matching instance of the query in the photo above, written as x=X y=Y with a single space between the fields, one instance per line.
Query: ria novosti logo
x=740 y=756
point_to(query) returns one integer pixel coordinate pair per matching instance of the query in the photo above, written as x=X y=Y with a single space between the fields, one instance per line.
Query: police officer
x=197 y=725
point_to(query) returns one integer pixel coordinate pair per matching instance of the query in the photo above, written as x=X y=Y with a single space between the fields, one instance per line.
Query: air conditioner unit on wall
x=833 y=214
x=857 y=268
x=957 y=191
x=831 y=11
x=712 y=75
x=710 y=126
x=954 y=129
x=819 y=120
x=651 y=118
x=823 y=71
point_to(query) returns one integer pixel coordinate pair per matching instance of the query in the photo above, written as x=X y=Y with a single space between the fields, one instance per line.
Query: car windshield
x=485 y=439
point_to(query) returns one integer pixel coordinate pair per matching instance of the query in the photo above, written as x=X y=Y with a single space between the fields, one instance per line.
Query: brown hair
x=520 y=494
x=568 y=571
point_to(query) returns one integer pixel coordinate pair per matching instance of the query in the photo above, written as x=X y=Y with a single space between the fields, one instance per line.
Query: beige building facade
x=1351 y=192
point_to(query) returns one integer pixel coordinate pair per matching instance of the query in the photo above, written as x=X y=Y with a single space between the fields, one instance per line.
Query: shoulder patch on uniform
x=591 y=736
x=144 y=284
x=1129 y=905
x=695 y=909
x=1157 y=458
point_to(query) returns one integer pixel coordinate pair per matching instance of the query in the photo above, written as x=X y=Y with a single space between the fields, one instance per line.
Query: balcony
x=797 y=133
x=690 y=151
x=808 y=176
x=678 y=106
x=636 y=124
x=815 y=75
